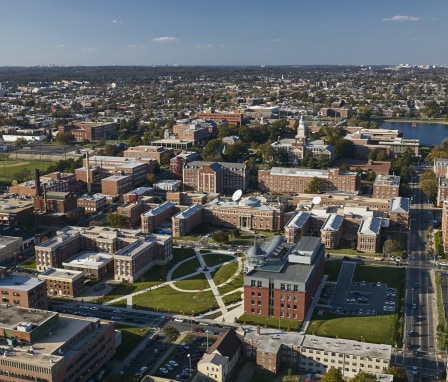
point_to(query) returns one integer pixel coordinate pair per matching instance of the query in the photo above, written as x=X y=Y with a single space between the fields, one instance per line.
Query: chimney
x=258 y=329
x=37 y=181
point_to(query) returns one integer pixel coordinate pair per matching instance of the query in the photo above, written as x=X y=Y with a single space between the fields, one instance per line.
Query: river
x=428 y=133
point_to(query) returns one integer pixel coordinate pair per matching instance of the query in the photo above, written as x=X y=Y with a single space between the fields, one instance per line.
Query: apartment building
x=284 y=180
x=22 y=291
x=91 y=131
x=386 y=186
x=61 y=282
x=53 y=347
x=216 y=177
x=283 y=287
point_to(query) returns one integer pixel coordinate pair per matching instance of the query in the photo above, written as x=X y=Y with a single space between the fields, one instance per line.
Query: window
x=282 y=286
x=252 y=283
x=259 y=284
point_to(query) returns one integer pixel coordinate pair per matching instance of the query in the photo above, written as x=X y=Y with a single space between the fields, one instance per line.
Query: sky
x=230 y=32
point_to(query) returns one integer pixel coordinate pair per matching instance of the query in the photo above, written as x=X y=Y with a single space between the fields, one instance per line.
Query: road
x=419 y=356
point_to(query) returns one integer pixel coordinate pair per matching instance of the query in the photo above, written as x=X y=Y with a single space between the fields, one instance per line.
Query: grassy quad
x=170 y=300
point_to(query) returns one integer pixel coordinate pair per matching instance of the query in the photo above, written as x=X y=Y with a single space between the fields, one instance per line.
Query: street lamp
x=189 y=358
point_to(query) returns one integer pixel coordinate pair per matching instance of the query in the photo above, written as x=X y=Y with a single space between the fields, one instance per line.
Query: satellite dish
x=316 y=200
x=237 y=195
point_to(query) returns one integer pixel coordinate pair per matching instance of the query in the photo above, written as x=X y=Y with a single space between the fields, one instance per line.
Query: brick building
x=55 y=181
x=61 y=282
x=177 y=163
x=440 y=167
x=157 y=215
x=294 y=180
x=216 y=177
x=115 y=185
x=196 y=131
x=232 y=118
x=91 y=131
x=135 y=260
x=55 y=202
x=386 y=186
x=23 y=291
x=283 y=286
x=149 y=152
x=369 y=235
x=93 y=265
x=131 y=212
x=185 y=221
x=445 y=225
x=53 y=347
x=91 y=204
x=247 y=214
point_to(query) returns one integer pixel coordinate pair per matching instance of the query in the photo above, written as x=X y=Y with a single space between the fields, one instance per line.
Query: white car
x=173 y=362
x=163 y=370
x=143 y=369
x=178 y=320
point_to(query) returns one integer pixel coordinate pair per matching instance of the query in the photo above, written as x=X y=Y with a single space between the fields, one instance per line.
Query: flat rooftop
x=18 y=282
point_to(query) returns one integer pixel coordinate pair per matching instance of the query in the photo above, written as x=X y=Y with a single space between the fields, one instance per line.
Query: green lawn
x=168 y=299
x=270 y=322
x=231 y=298
x=154 y=276
x=195 y=282
x=376 y=329
x=130 y=337
x=186 y=268
x=212 y=259
x=31 y=264
x=225 y=273
x=9 y=169
x=236 y=283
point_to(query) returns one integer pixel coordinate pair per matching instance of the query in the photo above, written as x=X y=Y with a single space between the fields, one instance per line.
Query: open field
x=270 y=322
x=10 y=169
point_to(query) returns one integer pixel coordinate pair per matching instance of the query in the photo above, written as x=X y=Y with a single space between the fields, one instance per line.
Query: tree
x=117 y=221
x=135 y=140
x=66 y=138
x=332 y=375
x=364 y=377
x=313 y=186
x=371 y=176
x=20 y=142
x=381 y=156
x=398 y=372
x=428 y=184
x=221 y=237
x=171 y=333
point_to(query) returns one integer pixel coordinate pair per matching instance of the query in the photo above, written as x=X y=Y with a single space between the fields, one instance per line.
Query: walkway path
x=222 y=311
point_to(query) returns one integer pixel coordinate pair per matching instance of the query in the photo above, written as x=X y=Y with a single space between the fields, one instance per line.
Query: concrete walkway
x=226 y=313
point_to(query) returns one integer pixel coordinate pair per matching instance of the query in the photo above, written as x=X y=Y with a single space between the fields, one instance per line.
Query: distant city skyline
x=197 y=32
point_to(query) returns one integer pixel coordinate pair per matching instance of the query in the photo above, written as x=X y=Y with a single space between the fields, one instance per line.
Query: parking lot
x=360 y=298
